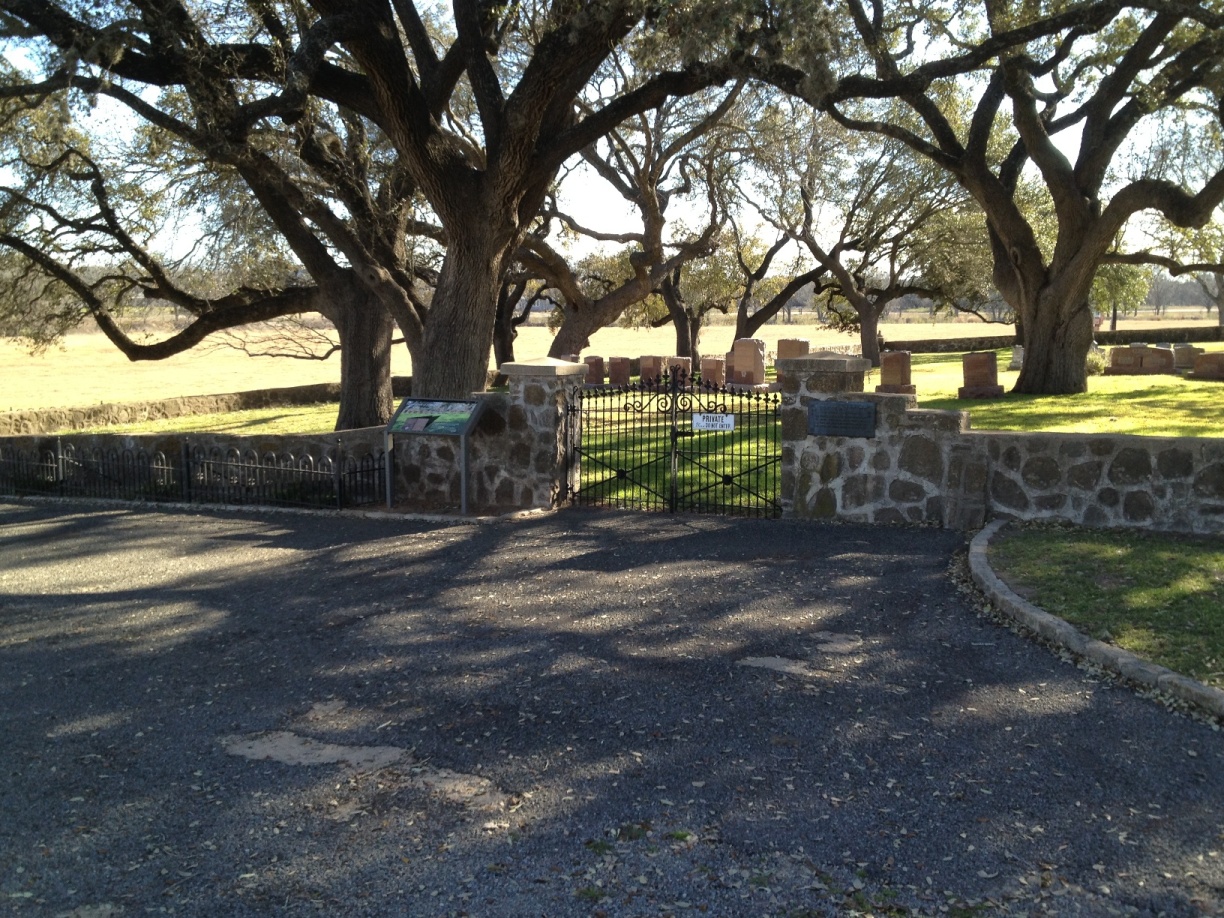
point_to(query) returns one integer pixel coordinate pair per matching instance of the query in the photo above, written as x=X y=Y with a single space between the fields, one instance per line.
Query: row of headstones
x=980 y=369
x=744 y=364
x=1142 y=360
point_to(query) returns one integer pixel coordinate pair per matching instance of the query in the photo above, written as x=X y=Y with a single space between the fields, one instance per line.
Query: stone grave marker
x=619 y=371
x=714 y=370
x=652 y=368
x=792 y=347
x=895 y=373
x=1184 y=355
x=681 y=367
x=1209 y=366
x=595 y=371
x=1140 y=360
x=981 y=372
x=746 y=362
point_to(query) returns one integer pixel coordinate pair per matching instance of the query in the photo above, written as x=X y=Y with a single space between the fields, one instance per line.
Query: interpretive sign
x=437 y=417
x=713 y=422
x=842 y=419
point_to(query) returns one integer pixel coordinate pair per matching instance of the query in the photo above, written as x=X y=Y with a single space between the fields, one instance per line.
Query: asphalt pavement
x=211 y=713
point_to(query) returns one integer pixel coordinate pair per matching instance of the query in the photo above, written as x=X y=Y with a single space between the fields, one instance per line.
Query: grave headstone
x=651 y=368
x=595 y=370
x=981 y=373
x=895 y=373
x=792 y=347
x=746 y=363
x=1140 y=360
x=681 y=367
x=619 y=371
x=1184 y=354
x=1017 y=360
x=714 y=370
x=1209 y=366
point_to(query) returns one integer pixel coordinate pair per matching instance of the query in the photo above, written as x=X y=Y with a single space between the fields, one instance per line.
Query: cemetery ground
x=564 y=714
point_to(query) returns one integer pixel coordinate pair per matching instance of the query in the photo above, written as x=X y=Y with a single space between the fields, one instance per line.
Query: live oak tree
x=1092 y=92
x=876 y=220
x=652 y=161
x=476 y=109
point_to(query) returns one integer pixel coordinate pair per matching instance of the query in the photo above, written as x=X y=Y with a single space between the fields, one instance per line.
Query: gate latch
x=677 y=434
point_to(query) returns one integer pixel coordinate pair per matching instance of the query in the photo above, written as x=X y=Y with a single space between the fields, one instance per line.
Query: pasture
x=87 y=370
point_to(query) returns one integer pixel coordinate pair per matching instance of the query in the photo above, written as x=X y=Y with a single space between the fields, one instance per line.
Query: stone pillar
x=895 y=373
x=804 y=380
x=595 y=371
x=536 y=470
x=619 y=371
x=981 y=369
x=714 y=371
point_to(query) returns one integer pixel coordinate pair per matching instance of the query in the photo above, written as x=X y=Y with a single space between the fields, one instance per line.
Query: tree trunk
x=454 y=359
x=1055 y=350
x=365 y=331
x=869 y=334
x=504 y=330
x=574 y=335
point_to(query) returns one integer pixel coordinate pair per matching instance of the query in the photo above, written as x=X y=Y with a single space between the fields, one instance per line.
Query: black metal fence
x=677 y=443
x=195 y=475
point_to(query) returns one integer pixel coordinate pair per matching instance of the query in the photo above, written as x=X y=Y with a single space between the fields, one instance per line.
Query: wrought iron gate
x=678 y=444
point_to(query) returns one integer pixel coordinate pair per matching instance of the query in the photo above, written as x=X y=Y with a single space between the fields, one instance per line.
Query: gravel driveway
x=224 y=714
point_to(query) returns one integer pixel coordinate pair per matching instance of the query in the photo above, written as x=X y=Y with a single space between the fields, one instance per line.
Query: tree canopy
x=357 y=126
x=1105 y=102
x=401 y=154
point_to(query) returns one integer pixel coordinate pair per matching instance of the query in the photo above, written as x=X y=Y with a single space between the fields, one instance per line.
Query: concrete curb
x=1054 y=629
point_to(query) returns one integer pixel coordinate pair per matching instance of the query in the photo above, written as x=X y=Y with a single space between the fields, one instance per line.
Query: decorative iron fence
x=196 y=475
x=677 y=444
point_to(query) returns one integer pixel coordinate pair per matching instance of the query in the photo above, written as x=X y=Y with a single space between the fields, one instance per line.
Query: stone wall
x=929 y=467
x=516 y=455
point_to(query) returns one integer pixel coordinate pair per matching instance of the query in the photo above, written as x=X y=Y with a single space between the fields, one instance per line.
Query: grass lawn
x=1159 y=596
x=1153 y=405
x=287 y=420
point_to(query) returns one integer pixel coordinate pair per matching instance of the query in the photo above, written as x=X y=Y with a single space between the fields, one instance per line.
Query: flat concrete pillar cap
x=543 y=366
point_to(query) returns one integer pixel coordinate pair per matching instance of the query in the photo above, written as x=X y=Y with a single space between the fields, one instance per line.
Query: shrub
x=1095 y=363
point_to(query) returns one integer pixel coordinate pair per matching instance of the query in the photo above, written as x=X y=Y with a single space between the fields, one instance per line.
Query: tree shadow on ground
x=631 y=711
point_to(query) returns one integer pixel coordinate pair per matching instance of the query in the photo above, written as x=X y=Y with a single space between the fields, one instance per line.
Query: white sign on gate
x=713 y=422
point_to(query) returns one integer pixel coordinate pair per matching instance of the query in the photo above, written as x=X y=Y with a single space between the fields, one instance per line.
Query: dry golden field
x=88 y=370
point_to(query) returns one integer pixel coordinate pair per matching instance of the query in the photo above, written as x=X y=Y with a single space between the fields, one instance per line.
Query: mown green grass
x=288 y=420
x=639 y=444
x=1171 y=406
x=1159 y=596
